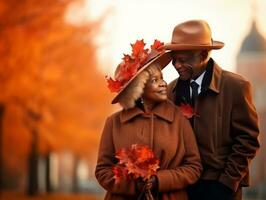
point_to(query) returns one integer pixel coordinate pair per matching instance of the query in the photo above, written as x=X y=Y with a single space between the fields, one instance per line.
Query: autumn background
x=54 y=55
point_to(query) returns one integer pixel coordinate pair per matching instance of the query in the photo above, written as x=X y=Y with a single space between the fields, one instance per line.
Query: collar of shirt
x=198 y=81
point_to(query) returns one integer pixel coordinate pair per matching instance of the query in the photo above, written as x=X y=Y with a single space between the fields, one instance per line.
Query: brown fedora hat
x=193 y=34
x=134 y=64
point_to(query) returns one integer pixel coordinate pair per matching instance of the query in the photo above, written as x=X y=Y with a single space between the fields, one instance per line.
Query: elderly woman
x=147 y=118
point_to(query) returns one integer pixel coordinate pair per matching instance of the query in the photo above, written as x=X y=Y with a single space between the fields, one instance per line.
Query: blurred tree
x=1 y=134
x=48 y=185
x=75 y=174
x=49 y=69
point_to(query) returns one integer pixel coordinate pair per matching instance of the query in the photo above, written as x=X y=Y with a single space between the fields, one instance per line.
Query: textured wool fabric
x=226 y=127
x=167 y=133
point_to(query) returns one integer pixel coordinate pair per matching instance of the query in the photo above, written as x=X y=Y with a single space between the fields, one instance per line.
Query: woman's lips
x=163 y=92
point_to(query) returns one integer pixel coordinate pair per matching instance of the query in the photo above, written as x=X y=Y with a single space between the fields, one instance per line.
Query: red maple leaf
x=157 y=45
x=144 y=169
x=138 y=51
x=137 y=47
x=142 y=153
x=131 y=66
x=119 y=173
x=187 y=110
x=113 y=85
x=138 y=161
x=127 y=58
x=122 y=155
x=127 y=71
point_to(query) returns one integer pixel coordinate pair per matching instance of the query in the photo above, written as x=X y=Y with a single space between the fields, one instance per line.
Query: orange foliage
x=49 y=81
x=138 y=161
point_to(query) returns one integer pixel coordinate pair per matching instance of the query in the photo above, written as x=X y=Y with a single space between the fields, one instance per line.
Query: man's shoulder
x=233 y=78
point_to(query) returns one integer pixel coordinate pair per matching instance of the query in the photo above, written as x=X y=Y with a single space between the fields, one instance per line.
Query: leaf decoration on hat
x=132 y=63
x=128 y=68
x=113 y=85
x=138 y=51
x=157 y=45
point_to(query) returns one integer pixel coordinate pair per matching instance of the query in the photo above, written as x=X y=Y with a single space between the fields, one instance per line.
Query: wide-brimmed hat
x=135 y=63
x=192 y=35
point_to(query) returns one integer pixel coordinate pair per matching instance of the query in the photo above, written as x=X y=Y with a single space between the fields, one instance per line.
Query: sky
x=129 y=20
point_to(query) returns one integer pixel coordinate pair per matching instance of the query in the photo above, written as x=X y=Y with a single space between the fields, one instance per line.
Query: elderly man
x=225 y=121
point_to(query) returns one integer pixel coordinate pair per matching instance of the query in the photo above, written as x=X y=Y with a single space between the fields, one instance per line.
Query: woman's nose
x=163 y=83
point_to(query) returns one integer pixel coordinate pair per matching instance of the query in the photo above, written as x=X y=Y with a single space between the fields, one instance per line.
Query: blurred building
x=251 y=63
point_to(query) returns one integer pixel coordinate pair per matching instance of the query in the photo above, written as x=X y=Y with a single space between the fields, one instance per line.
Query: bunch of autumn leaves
x=137 y=162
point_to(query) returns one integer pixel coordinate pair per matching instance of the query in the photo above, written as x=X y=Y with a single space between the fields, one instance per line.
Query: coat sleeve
x=245 y=131
x=190 y=169
x=106 y=160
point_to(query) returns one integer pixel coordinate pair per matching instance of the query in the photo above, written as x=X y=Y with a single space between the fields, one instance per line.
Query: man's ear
x=204 y=55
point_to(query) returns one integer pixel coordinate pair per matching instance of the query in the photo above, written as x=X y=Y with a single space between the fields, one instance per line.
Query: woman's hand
x=152 y=183
x=140 y=184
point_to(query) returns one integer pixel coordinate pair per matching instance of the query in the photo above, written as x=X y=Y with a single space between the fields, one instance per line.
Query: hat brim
x=162 y=59
x=172 y=46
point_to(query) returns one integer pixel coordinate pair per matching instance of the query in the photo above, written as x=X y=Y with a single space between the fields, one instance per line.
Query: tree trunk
x=33 y=165
x=75 y=174
x=48 y=173
x=1 y=146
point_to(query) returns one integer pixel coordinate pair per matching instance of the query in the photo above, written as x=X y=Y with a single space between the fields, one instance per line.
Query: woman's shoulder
x=114 y=116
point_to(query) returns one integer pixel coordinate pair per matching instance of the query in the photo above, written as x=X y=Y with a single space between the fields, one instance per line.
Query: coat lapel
x=182 y=93
x=215 y=84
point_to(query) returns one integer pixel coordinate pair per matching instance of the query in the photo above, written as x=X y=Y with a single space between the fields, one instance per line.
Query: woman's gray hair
x=135 y=89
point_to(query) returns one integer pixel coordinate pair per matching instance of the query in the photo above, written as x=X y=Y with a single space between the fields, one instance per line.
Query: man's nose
x=177 y=65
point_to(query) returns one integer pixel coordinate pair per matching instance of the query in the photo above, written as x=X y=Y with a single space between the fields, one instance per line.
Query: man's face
x=188 y=63
x=155 y=89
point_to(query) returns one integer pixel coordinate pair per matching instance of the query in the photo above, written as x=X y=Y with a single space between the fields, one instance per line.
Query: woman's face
x=156 y=88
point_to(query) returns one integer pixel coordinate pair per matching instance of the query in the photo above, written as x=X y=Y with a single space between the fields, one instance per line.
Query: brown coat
x=167 y=133
x=226 y=128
